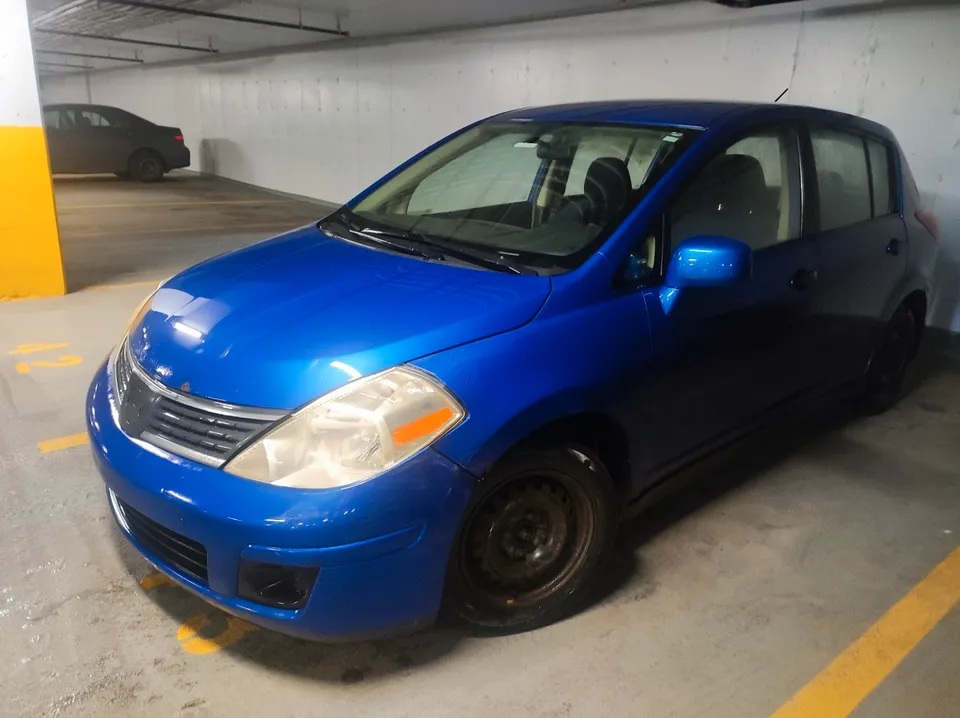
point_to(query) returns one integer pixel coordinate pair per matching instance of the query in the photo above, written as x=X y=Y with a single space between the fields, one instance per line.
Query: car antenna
x=780 y=95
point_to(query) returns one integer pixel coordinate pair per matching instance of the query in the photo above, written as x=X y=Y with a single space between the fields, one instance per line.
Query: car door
x=861 y=243
x=718 y=373
x=120 y=135
x=96 y=143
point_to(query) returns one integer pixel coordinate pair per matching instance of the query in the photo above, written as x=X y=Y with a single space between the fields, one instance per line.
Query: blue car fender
x=553 y=368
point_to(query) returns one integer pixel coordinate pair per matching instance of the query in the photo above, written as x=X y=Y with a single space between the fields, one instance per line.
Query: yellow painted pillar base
x=30 y=262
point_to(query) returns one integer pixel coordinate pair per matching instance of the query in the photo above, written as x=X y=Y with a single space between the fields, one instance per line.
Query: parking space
x=116 y=232
x=768 y=579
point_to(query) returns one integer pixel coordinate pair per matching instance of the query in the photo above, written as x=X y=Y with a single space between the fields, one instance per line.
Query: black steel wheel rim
x=525 y=541
x=892 y=357
x=149 y=168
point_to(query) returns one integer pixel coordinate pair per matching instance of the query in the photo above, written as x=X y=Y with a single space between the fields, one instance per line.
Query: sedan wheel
x=146 y=166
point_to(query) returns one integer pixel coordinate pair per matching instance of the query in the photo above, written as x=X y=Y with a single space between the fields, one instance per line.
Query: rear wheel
x=146 y=166
x=890 y=361
x=533 y=541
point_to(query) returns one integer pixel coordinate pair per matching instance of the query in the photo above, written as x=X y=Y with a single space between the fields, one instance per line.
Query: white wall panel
x=19 y=97
x=326 y=123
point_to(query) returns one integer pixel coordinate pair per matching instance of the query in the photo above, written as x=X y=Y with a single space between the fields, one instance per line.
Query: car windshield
x=543 y=194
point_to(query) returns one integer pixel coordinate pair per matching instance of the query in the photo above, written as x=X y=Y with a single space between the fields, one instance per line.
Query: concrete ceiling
x=358 y=18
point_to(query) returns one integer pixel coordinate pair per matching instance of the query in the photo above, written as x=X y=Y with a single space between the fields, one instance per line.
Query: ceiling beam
x=108 y=38
x=87 y=54
x=63 y=64
x=193 y=12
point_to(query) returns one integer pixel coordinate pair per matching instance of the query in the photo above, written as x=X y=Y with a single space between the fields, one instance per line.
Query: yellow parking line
x=63 y=442
x=155 y=579
x=840 y=687
x=146 y=205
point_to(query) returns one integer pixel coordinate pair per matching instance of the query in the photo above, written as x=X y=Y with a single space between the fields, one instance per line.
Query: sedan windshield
x=542 y=194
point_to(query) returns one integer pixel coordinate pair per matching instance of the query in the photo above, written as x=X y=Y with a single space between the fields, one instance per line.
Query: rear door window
x=89 y=118
x=843 y=179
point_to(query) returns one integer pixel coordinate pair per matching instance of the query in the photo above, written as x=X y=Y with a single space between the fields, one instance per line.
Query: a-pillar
x=30 y=263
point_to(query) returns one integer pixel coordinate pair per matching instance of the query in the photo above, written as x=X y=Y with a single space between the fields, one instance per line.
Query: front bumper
x=381 y=546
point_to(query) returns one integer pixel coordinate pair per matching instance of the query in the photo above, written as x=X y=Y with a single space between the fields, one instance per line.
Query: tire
x=890 y=361
x=533 y=541
x=146 y=166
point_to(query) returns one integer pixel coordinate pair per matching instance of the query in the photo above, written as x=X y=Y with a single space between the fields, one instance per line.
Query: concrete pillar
x=30 y=263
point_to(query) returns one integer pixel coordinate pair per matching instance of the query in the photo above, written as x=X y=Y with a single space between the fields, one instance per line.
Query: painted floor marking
x=840 y=687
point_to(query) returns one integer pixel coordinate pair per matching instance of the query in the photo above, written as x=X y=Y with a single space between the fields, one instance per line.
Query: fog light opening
x=274 y=585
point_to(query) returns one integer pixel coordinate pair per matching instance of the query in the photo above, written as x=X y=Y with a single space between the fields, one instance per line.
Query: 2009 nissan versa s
x=448 y=390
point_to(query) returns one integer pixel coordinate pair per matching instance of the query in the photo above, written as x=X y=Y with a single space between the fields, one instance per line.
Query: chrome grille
x=202 y=430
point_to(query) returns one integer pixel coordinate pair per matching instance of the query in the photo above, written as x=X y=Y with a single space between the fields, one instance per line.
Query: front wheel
x=890 y=361
x=533 y=541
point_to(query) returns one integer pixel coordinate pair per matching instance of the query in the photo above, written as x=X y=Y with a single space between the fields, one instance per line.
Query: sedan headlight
x=353 y=433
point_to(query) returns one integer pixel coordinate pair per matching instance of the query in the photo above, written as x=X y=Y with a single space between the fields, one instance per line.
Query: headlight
x=353 y=433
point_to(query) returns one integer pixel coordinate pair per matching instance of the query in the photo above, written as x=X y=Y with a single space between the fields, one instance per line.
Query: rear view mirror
x=701 y=267
x=556 y=147
x=709 y=262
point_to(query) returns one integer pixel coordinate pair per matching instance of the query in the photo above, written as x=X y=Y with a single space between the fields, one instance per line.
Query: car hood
x=289 y=319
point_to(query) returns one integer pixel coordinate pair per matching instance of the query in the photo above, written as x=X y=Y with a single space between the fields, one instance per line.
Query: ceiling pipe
x=86 y=54
x=143 y=4
x=108 y=38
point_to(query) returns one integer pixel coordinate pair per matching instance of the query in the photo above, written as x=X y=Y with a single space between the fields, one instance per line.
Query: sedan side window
x=749 y=193
x=51 y=119
x=843 y=183
x=88 y=118
x=67 y=120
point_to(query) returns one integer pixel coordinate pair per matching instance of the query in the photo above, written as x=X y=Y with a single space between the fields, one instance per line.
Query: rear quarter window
x=843 y=178
x=882 y=179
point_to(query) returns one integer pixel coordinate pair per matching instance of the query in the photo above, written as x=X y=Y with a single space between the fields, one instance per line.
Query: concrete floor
x=723 y=601
x=112 y=231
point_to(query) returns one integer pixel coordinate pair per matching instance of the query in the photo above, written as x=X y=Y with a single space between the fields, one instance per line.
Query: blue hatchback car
x=448 y=391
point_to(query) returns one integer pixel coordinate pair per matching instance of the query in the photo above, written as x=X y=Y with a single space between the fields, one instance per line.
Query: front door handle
x=803 y=279
x=894 y=247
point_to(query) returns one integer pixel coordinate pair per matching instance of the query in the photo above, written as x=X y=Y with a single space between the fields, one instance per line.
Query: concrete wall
x=325 y=123
x=29 y=245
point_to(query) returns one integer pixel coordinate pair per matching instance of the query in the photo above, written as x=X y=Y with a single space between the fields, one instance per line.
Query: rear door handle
x=804 y=278
x=894 y=247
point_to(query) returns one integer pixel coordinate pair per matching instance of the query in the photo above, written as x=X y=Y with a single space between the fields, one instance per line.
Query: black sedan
x=86 y=139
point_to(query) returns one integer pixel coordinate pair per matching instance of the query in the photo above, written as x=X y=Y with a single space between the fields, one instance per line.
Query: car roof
x=701 y=114
x=72 y=105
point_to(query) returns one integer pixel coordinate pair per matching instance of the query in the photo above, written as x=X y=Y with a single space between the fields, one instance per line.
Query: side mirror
x=709 y=262
x=700 y=269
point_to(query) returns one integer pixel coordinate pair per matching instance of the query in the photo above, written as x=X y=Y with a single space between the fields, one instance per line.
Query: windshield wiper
x=414 y=241
x=377 y=237
x=484 y=259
